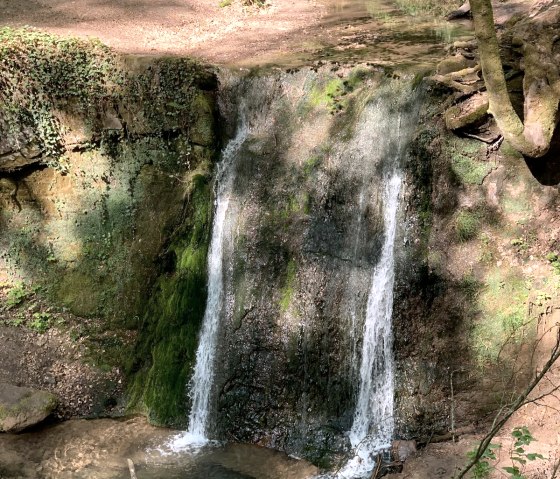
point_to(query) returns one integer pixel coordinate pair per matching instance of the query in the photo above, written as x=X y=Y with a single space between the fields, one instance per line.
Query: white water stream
x=203 y=376
x=373 y=425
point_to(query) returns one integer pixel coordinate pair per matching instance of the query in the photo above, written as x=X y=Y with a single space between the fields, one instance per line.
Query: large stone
x=21 y=408
x=16 y=160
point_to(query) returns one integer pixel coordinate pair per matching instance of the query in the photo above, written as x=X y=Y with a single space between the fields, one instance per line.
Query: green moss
x=202 y=129
x=287 y=292
x=325 y=95
x=166 y=349
x=471 y=172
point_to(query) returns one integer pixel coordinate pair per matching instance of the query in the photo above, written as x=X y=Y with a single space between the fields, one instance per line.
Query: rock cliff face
x=113 y=221
x=305 y=234
x=103 y=166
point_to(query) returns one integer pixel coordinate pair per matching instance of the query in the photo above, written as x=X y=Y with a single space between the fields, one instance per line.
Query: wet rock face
x=305 y=232
x=21 y=408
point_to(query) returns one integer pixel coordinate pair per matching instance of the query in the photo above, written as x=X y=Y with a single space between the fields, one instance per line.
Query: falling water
x=203 y=376
x=373 y=424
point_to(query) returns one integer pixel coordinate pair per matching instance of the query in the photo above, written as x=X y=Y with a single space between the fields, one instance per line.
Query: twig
x=131 y=469
x=521 y=400
x=556 y=469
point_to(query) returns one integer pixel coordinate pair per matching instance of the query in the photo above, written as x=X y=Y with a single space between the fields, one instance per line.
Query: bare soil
x=58 y=359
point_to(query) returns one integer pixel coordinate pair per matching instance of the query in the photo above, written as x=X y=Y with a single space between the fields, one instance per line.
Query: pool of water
x=372 y=31
x=101 y=449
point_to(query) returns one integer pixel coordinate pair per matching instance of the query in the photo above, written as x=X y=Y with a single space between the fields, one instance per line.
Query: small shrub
x=483 y=468
x=41 y=322
x=467 y=225
x=17 y=295
x=517 y=454
x=554 y=260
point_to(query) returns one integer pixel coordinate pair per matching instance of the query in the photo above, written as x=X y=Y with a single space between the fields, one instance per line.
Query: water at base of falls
x=203 y=376
x=373 y=425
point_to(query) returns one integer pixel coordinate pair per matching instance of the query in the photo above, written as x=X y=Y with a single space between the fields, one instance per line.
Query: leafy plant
x=518 y=455
x=17 y=295
x=483 y=468
x=41 y=322
x=39 y=70
x=554 y=260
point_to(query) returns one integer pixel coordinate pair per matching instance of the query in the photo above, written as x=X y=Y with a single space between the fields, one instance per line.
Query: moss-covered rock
x=166 y=350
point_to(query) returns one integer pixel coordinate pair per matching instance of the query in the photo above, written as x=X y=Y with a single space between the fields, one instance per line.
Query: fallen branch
x=131 y=469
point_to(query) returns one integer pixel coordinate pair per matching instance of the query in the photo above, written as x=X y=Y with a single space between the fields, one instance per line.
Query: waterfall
x=203 y=375
x=373 y=424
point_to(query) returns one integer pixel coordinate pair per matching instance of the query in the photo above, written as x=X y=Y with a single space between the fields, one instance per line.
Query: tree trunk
x=540 y=86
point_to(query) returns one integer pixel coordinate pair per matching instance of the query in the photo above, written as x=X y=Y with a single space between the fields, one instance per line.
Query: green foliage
x=42 y=74
x=16 y=295
x=39 y=70
x=467 y=225
x=41 y=322
x=483 y=468
x=518 y=455
x=554 y=260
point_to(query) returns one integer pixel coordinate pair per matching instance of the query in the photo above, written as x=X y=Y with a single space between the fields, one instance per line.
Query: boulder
x=402 y=450
x=23 y=407
x=467 y=112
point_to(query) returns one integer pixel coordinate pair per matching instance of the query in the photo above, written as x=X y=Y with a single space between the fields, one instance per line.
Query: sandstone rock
x=15 y=160
x=23 y=407
x=453 y=64
x=467 y=112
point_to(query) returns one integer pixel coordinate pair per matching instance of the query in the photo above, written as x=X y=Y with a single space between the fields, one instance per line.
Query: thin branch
x=498 y=424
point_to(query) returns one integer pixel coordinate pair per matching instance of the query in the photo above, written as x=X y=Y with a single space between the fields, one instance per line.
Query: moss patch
x=166 y=350
x=465 y=164
x=288 y=289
